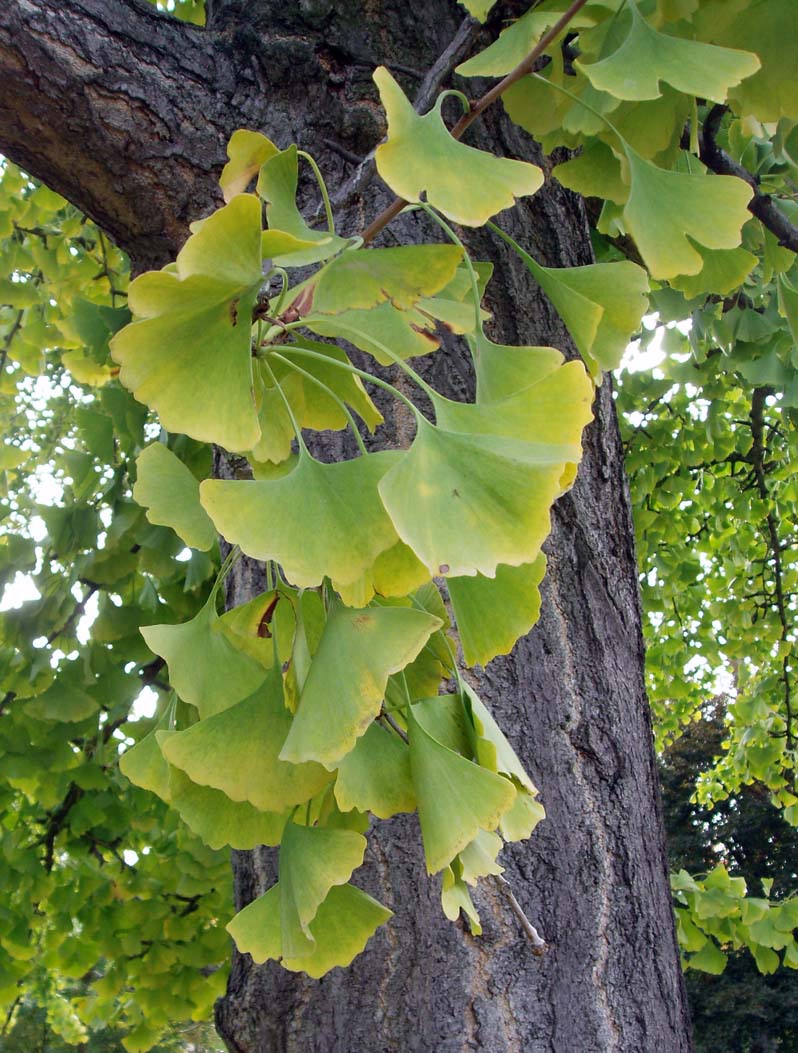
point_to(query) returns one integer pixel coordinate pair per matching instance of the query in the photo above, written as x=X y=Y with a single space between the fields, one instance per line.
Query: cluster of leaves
x=335 y=695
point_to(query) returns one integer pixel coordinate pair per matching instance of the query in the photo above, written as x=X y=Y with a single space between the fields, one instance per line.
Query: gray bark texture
x=127 y=113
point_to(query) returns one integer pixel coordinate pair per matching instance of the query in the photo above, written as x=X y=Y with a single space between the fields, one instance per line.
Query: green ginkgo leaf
x=205 y=668
x=277 y=244
x=500 y=757
x=455 y=897
x=359 y=650
x=277 y=185
x=667 y=211
x=456 y=798
x=247 y=152
x=408 y=334
x=145 y=765
x=478 y=8
x=220 y=822
x=314 y=408
x=493 y=613
x=467 y=185
x=237 y=751
x=312 y=860
x=602 y=304
x=318 y=520
x=502 y=370
x=344 y=923
x=375 y=775
x=187 y=353
x=465 y=503
x=595 y=172
x=65 y=701
x=723 y=271
x=646 y=57
x=519 y=822
x=398 y=571
x=169 y=490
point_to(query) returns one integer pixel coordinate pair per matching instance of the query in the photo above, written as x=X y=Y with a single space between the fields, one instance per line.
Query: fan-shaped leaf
x=375 y=775
x=420 y=156
x=456 y=798
x=169 y=490
x=493 y=613
x=247 y=152
x=205 y=669
x=465 y=503
x=318 y=520
x=359 y=649
x=237 y=751
x=187 y=352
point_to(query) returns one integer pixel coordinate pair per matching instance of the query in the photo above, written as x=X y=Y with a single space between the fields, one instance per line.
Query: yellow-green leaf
x=169 y=491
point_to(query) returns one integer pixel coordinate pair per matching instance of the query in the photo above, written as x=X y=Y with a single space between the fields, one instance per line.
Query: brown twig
x=539 y=945
x=523 y=68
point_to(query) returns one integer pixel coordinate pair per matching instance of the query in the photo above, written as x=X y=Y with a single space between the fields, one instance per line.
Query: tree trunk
x=146 y=106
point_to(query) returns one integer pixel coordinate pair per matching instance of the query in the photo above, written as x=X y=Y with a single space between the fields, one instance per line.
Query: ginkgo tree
x=382 y=475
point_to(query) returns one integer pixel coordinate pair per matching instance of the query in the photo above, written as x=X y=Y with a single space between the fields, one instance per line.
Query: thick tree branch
x=761 y=205
x=122 y=110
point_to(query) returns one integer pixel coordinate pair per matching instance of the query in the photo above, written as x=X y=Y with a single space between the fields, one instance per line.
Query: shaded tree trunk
x=127 y=113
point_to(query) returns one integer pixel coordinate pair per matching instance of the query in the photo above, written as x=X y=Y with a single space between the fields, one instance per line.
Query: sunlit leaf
x=359 y=649
x=169 y=491
x=187 y=353
x=420 y=156
x=247 y=152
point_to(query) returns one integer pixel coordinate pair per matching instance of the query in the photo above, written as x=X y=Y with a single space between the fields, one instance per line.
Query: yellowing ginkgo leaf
x=219 y=821
x=169 y=490
x=492 y=613
x=502 y=369
x=456 y=798
x=187 y=353
x=646 y=57
x=455 y=897
x=478 y=8
x=363 y=278
x=359 y=650
x=596 y=172
x=465 y=503
x=479 y=857
x=145 y=765
x=467 y=185
x=247 y=152
x=666 y=210
x=318 y=520
x=723 y=271
x=204 y=667
x=343 y=925
x=375 y=775
x=312 y=860
x=602 y=304
x=501 y=757
x=277 y=185
x=237 y=751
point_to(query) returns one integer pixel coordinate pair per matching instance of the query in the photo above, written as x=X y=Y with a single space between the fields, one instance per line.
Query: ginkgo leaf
x=456 y=798
x=465 y=503
x=275 y=244
x=455 y=897
x=723 y=271
x=595 y=172
x=317 y=409
x=554 y=410
x=375 y=775
x=646 y=57
x=519 y=822
x=363 y=278
x=602 y=304
x=145 y=765
x=493 y=613
x=219 y=821
x=65 y=701
x=318 y=520
x=517 y=40
x=169 y=490
x=503 y=757
x=344 y=923
x=397 y=571
x=187 y=352
x=478 y=8
x=408 y=334
x=668 y=210
x=277 y=185
x=247 y=151
x=467 y=185
x=478 y=858
x=204 y=667
x=260 y=625
x=359 y=650
x=502 y=370
x=312 y=860
x=237 y=751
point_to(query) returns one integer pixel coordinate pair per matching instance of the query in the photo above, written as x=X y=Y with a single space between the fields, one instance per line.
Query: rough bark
x=151 y=104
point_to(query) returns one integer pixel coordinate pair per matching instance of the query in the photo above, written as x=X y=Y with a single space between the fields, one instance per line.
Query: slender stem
x=521 y=70
x=294 y=349
x=400 y=362
x=225 y=569
x=322 y=187
x=329 y=391
x=471 y=272
x=287 y=404
x=386 y=716
x=539 y=947
x=283 y=275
